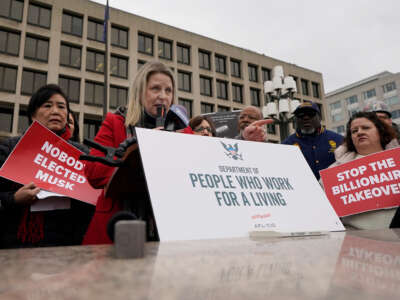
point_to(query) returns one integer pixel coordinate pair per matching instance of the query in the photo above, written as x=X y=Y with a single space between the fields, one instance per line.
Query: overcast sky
x=345 y=40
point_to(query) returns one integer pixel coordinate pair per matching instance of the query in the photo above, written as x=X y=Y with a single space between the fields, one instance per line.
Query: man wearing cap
x=315 y=142
x=382 y=111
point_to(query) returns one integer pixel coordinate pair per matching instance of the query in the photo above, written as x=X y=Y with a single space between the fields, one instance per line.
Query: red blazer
x=112 y=132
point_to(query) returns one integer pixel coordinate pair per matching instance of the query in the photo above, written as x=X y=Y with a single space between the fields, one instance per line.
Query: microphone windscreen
x=181 y=112
x=176 y=118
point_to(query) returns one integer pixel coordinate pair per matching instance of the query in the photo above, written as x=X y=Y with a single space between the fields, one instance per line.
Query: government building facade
x=345 y=101
x=57 y=41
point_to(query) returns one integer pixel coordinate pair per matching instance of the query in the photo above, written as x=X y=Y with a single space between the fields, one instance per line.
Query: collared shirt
x=317 y=148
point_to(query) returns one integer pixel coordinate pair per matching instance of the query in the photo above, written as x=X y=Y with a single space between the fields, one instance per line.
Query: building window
x=337 y=117
x=304 y=87
x=223 y=108
x=6 y=119
x=220 y=64
x=8 y=78
x=388 y=87
x=36 y=48
x=90 y=127
x=336 y=105
x=119 y=66
x=165 y=49
x=340 y=129
x=255 y=97
x=184 y=81
x=266 y=74
x=351 y=112
x=119 y=37
x=95 y=61
x=140 y=63
x=369 y=94
x=9 y=42
x=145 y=44
x=271 y=129
x=118 y=96
x=222 y=89
x=352 y=99
x=71 y=87
x=183 y=54
x=32 y=81
x=39 y=15
x=94 y=93
x=315 y=89
x=72 y=24
x=237 y=93
x=253 y=70
x=396 y=114
x=188 y=105
x=206 y=108
x=95 y=30
x=236 y=68
x=205 y=86
x=23 y=121
x=204 y=60
x=392 y=100
x=70 y=56
x=12 y=9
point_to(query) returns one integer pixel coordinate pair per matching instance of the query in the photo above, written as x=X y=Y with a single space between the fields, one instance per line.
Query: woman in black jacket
x=19 y=227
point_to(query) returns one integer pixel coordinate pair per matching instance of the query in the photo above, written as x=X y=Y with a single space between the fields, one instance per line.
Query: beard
x=308 y=130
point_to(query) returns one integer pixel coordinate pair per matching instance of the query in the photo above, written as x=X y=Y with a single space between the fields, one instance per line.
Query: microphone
x=160 y=119
x=176 y=118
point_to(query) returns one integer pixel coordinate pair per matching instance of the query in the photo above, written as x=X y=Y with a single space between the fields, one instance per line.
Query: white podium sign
x=207 y=188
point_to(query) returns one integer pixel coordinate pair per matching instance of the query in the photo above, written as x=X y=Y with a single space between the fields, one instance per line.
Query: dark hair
x=386 y=133
x=75 y=133
x=41 y=96
x=196 y=121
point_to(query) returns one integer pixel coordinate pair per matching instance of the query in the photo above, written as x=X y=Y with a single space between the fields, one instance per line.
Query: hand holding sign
x=26 y=194
x=255 y=131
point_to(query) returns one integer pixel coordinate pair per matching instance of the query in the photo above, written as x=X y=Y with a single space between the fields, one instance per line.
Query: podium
x=128 y=186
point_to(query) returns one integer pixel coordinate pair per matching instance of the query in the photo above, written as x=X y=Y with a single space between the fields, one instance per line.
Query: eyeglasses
x=383 y=117
x=201 y=128
x=310 y=114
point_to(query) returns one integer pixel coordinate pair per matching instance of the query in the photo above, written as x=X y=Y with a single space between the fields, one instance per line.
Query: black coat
x=60 y=227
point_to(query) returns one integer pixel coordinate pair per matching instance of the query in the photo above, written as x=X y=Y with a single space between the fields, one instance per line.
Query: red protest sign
x=365 y=184
x=51 y=163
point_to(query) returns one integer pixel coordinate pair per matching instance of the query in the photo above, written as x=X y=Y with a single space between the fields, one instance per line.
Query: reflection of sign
x=51 y=163
x=226 y=123
x=211 y=195
x=246 y=269
x=365 y=184
x=368 y=265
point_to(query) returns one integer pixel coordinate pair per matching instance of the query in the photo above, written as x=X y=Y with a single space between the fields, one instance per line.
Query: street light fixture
x=279 y=104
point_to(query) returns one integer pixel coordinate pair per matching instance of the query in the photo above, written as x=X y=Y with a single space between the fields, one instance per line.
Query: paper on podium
x=272 y=234
x=50 y=201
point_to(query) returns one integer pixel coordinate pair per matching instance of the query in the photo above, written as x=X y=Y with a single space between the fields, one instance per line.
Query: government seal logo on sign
x=232 y=151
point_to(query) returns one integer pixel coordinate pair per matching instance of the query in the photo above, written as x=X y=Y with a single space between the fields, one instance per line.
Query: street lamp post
x=279 y=104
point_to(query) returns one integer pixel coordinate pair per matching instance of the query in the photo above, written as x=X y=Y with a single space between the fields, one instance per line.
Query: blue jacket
x=317 y=149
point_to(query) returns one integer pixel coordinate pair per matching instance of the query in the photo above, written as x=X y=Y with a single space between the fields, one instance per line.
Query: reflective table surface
x=352 y=265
